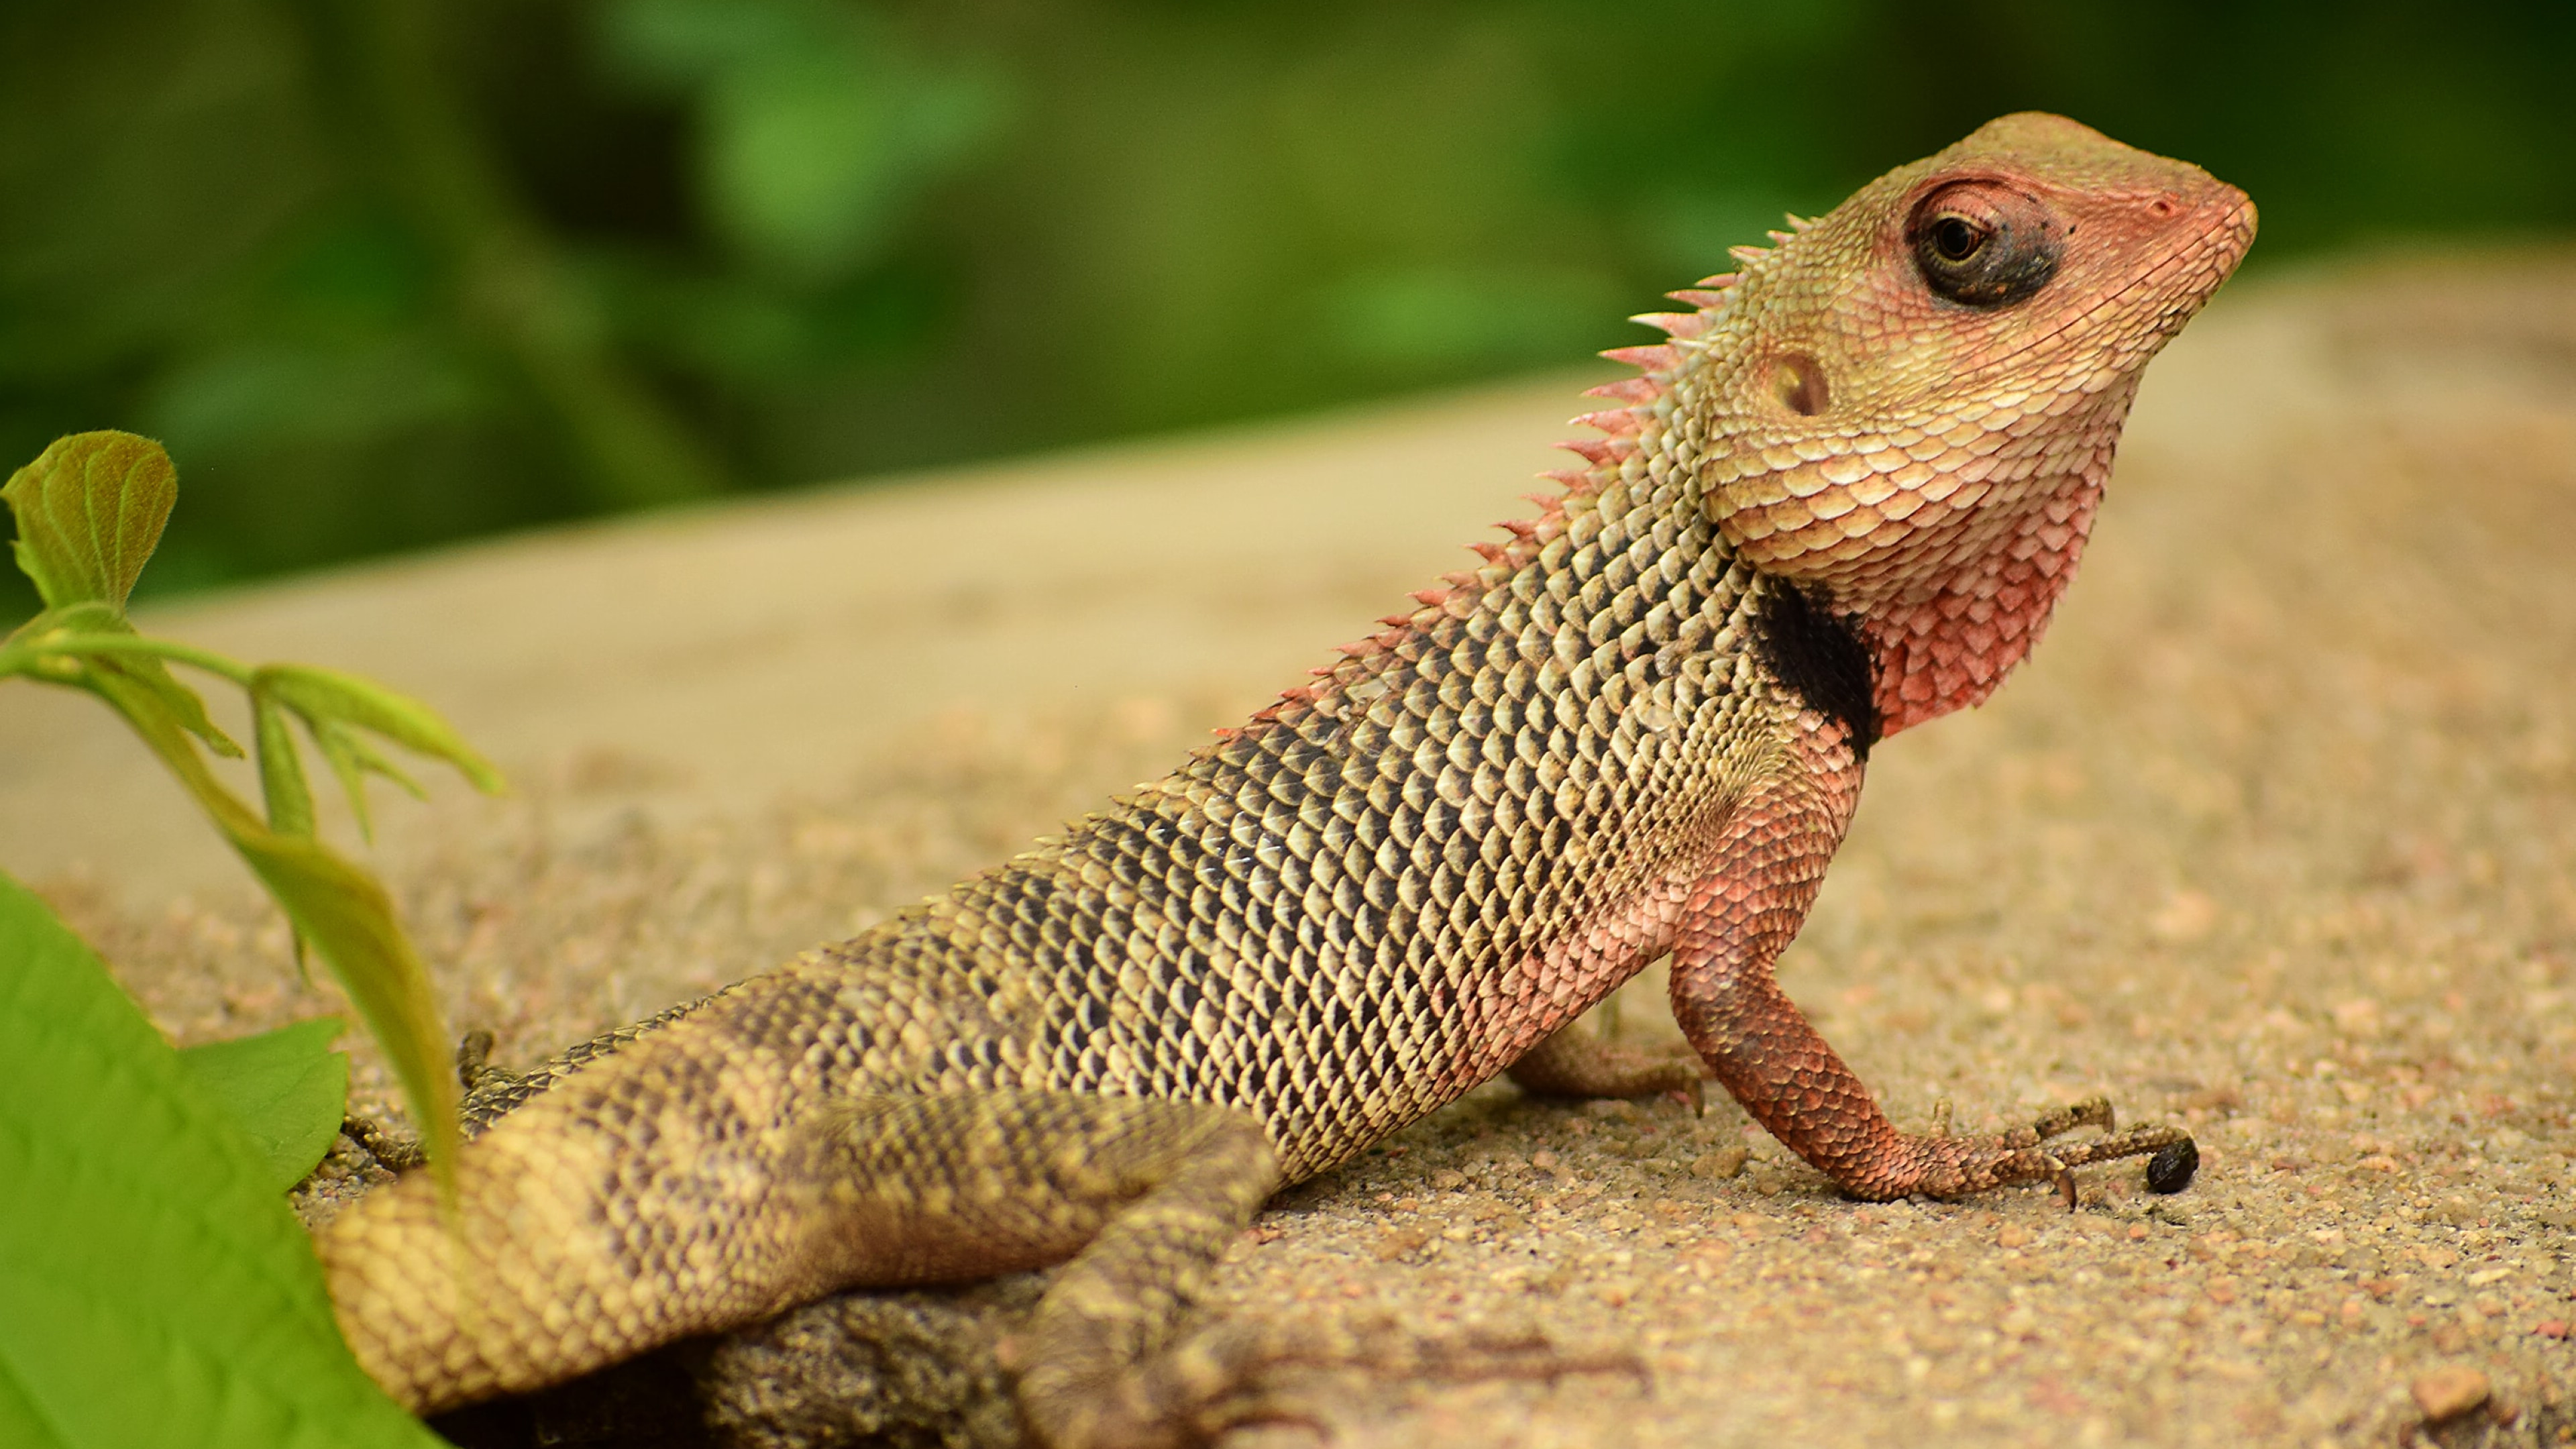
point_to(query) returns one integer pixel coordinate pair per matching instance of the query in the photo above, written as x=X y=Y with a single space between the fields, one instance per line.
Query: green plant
x=158 y=1288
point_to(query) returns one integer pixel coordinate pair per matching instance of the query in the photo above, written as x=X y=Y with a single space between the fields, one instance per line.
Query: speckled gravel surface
x=2276 y=837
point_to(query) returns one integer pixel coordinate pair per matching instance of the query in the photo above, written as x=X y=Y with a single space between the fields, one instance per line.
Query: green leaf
x=281 y=772
x=352 y=759
x=90 y=511
x=327 y=694
x=286 y=1089
x=349 y=920
x=338 y=909
x=152 y=679
x=157 y=1289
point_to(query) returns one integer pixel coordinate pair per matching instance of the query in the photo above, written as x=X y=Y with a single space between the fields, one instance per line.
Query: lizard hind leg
x=1573 y=1062
x=1237 y=1373
x=1139 y=1197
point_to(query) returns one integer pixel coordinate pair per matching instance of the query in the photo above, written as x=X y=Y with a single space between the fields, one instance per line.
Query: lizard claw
x=1942 y=1165
x=1234 y=1375
x=2170 y=1148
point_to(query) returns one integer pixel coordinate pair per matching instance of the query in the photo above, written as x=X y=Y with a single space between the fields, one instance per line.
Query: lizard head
x=1908 y=407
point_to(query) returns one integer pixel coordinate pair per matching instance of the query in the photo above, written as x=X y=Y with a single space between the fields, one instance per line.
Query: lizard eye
x=1956 y=238
x=1983 y=245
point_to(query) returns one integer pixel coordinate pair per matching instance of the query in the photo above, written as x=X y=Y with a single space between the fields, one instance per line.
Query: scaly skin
x=1839 y=502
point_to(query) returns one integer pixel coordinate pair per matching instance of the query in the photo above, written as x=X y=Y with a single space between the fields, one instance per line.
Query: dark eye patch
x=1981 y=245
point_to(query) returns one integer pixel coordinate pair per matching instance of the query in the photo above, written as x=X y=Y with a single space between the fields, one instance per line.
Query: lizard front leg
x=1770 y=860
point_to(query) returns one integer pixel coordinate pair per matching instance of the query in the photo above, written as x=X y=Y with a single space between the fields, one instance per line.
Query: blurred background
x=389 y=273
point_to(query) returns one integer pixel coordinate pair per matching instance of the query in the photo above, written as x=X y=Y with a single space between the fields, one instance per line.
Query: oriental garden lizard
x=1838 y=501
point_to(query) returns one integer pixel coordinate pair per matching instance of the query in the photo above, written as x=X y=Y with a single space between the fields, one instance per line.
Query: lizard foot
x=1577 y=1064
x=1940 y=1165
x=1235 y=1375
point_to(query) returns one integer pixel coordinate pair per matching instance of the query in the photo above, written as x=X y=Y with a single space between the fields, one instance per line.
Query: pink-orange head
x=1909 y=406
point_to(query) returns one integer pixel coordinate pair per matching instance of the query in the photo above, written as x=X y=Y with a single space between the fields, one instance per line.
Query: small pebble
x=1725 y=1162
x=2171 y=1170
x=2449 y=1391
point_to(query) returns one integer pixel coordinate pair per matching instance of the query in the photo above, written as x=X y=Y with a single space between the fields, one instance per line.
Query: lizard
x=1839 y=500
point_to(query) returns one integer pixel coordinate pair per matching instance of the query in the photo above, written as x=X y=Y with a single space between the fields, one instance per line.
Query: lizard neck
x=1943 y=545
x=1947 y=643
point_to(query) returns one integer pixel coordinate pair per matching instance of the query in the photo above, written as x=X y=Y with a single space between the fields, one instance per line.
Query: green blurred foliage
x=389 y=272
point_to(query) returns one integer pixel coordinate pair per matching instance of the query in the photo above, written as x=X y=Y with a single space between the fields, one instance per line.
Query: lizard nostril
x=2164 y=206
x=1800 y=381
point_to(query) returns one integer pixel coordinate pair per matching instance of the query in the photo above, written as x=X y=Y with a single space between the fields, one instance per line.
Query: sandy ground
x=2276 y=836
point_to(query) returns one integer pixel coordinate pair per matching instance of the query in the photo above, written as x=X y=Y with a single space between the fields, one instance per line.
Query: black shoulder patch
x=1820 y=656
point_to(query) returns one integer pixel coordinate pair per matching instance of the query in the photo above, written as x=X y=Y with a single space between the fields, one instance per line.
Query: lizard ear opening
x=1799 y=380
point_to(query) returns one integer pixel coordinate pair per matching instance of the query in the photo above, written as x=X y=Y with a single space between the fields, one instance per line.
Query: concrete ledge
x=2275 y=837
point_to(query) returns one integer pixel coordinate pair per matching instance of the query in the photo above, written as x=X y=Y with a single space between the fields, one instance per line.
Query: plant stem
x=19 y=657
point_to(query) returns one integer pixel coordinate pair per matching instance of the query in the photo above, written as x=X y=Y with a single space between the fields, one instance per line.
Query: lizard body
x=1839 y=502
